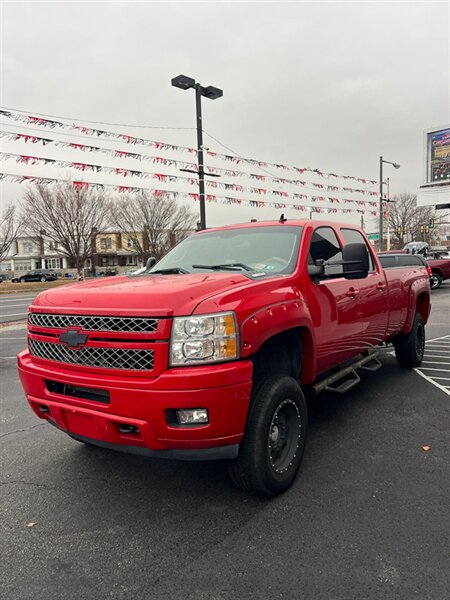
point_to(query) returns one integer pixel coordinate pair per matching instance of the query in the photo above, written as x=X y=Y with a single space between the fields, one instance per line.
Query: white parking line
x=441 y=346
x=438 y=385
x=435 y=362
x=13 y=315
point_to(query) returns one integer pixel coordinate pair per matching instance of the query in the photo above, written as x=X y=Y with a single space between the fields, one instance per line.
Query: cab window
x=352 y=236
x=325 y=246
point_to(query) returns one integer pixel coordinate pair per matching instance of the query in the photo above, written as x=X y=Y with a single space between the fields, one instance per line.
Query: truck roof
x=288 y=222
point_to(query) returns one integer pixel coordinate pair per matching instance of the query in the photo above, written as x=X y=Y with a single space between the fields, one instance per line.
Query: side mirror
x=151 y=262
x=317 y=270
x=355 y=260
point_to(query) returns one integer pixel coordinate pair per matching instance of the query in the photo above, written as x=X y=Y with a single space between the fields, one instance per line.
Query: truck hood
x=148 y=295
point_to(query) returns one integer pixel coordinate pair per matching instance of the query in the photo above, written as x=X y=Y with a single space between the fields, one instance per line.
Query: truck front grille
x=91 y=356
x=94 y=323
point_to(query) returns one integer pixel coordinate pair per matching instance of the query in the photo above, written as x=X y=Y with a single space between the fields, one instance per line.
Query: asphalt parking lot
x=367 y=518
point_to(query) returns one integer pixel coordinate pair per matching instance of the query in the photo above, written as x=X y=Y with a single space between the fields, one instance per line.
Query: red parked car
x=440 y=268
x=206 y=354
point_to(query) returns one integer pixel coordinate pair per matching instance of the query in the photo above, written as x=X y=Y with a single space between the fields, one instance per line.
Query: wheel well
x=437 y=271
x=280 y=355
x=423 y=306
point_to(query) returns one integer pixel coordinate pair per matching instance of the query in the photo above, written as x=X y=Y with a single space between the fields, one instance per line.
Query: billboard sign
x=438 y=155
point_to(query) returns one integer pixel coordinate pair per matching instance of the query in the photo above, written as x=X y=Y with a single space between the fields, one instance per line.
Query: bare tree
x=154 y=223
x=406 y=218
x=11 y=227
x=69 y=216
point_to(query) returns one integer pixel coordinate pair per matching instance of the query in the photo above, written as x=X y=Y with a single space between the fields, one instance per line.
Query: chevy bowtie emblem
x=73 y=338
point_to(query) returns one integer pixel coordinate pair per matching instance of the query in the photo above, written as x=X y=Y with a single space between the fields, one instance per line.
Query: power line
x=97 y=122
x=173 y=147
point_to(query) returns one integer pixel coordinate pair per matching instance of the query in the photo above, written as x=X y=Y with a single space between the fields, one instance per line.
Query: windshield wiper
x=225 y=267
x=169 y=271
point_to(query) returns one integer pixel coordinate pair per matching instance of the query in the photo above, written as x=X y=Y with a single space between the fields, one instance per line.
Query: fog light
x=191 y=416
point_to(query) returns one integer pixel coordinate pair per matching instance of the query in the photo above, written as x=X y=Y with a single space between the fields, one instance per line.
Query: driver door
x=334 y=304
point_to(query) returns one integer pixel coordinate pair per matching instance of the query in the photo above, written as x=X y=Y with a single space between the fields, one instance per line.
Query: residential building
x=34 y=252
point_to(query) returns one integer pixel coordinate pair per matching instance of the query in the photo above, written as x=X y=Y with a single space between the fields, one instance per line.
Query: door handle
x=352 y=293
x=381 y=287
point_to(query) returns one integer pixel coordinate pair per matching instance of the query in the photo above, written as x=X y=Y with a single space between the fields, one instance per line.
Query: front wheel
x=436 y=281
x=274 y=441
x=43 y=279
x=410 y=348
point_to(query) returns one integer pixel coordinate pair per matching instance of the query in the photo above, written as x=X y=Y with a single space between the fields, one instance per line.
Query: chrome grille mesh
x=90 y=356
x=94 y=323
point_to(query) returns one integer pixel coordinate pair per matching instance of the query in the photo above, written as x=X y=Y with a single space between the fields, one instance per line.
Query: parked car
x=391 y=260
x=1 y=278
x=440 y=268
x=36 y=275
x=206 y=354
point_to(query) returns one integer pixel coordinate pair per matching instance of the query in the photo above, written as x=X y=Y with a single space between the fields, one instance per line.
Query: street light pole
x=183 y=82
x=396 y=166
x=380 y=235
x=201 y=164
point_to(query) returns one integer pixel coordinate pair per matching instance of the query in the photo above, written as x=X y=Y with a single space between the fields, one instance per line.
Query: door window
x=352 y=236
x=325 y=246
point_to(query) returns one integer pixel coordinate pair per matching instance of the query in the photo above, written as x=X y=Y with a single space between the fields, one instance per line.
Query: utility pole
x=388 y=241
x=396 y=166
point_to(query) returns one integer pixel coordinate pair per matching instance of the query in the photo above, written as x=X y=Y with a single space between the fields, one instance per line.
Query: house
x=117 y=249
x=33 y=252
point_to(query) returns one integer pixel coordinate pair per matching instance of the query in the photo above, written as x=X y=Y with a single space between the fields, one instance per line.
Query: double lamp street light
x=396 y=166
x=186 y=83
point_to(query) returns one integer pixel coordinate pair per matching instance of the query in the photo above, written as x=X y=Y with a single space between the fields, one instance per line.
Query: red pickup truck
x=205 y=354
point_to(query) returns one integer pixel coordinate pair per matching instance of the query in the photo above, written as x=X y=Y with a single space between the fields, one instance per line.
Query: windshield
x=263 y=250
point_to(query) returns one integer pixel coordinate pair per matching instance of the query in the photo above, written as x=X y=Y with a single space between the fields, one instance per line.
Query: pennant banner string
x=158 y=193
x=36 y=160
x=15 y=136
x=130 y=139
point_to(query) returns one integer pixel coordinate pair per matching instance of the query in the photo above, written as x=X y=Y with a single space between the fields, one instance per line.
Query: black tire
x=436 y=281
x=43 y=279
x=21 y=280
x=274 y=441
x=410 y=348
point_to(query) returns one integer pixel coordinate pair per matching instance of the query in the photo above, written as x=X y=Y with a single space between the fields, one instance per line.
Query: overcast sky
x=330 y=85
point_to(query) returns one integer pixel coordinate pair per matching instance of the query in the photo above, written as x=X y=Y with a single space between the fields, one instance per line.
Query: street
x=366 y=518
x=13 y=307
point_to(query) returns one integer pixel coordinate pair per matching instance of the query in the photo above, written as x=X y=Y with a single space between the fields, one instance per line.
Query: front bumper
x=223 y=389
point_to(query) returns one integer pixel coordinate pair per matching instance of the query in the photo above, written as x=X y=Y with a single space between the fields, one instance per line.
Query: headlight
x=203 y=339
